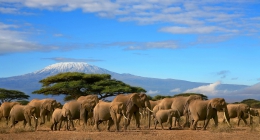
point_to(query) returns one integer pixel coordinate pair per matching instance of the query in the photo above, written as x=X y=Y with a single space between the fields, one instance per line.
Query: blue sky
x=199 y=41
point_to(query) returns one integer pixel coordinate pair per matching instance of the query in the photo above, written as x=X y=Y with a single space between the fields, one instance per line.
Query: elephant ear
x=63 y=112
x=32 y=110
x=214 y=103
x=115 y=108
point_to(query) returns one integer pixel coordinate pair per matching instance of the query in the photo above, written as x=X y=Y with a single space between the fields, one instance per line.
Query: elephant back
x=74 y=107
x=7 y=106
x=93 y=98
x=122 y=98
x=17 y=112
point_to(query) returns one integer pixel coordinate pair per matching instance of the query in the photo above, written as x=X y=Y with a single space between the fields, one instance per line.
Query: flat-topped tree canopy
x=10 y=95
x=75 y=84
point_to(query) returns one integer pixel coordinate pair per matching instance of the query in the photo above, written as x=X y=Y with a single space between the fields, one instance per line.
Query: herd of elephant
x=192 y=107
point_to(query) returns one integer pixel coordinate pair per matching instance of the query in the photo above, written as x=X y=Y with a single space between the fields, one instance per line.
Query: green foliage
x=204 y=97
x=252 y=103
x=23 y=102
x=159 y=97
x=75 y=84
x=10 y=95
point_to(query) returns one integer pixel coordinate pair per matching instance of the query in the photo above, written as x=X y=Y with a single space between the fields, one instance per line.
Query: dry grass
x=90 y=133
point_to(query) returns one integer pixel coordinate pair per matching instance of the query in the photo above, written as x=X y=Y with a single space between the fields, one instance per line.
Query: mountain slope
x=30 y=82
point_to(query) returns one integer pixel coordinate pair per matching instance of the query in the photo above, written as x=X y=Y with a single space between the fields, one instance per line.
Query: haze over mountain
x=30 y=82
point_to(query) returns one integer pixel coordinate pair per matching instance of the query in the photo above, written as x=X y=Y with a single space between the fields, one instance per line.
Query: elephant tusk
x=226 y=119
x=36 y=118
x=149 y=109
x=125 y=116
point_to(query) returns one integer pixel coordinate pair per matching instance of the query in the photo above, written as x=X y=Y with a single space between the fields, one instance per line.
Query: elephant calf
x=109 y=111
x=240 y=111
x=162 y=116
x=58 y=116
x=23 y=113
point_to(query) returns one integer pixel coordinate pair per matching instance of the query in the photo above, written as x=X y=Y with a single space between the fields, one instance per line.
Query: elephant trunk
x=226 y=116
x=148 y=106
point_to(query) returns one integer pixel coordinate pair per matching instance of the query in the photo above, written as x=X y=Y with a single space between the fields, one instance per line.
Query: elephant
x=162 y=116
x=58 y=116
x=109 y=111
x=154 y=103
x=6 y=108
x=93 y=99
x=180 y=103
x=79 y=110
x=133 y=102
x=254 y=112
x=23 y=113
x=241 y=111
x=206 y=110
x=44 y=107
x=1 y=114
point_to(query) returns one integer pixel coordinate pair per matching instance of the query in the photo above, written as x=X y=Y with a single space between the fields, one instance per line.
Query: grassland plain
x=222 y=132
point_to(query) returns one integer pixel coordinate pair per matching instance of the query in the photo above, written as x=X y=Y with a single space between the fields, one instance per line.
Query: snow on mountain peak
x=71 y=67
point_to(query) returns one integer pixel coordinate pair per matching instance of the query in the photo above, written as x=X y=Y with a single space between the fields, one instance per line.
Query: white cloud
x=176 y=90
x=252 y=90
x=12 y=41
x=153 y=92
x=206 y=89
x=153 y=45
x=182 y=17
x=194 y=30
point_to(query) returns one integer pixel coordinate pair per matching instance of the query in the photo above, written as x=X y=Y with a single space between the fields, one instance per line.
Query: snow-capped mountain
x=71 y=67
x=30 y=82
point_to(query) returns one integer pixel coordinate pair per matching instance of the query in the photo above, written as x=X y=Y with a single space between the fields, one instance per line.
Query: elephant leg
x=170 y=123
x=24 y=123
x=244 y=121
x=56 y=123
x=194 y=125
x=97 y=122
x=206 y=124
x=137 y=120
x=238 y=122
x=155 y=123
x=110 y=122
x=7 y=119
x=73 y=127
x=60 y=125
x=52 y=126
x=160 y=122
x=127 y=121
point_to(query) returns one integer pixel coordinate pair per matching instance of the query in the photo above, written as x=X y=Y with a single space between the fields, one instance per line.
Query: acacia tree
x=75 y=84
x=204 y=97
x=10 y=95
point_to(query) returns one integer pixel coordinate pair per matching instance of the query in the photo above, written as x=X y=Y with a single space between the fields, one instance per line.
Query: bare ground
x=224 y=133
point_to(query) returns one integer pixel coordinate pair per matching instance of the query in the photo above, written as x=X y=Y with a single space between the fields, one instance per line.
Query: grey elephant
x=58 y=116
x=23 y=113
x=180 y=103
x=109 y=111
x=205 y=110
x=154 y=103
x=133 y=102
x=6 y=108
x=93 y=99
x=79 y=110
x=240 y=111
x=253 y=113
x=163 y=116
x=44 y=107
